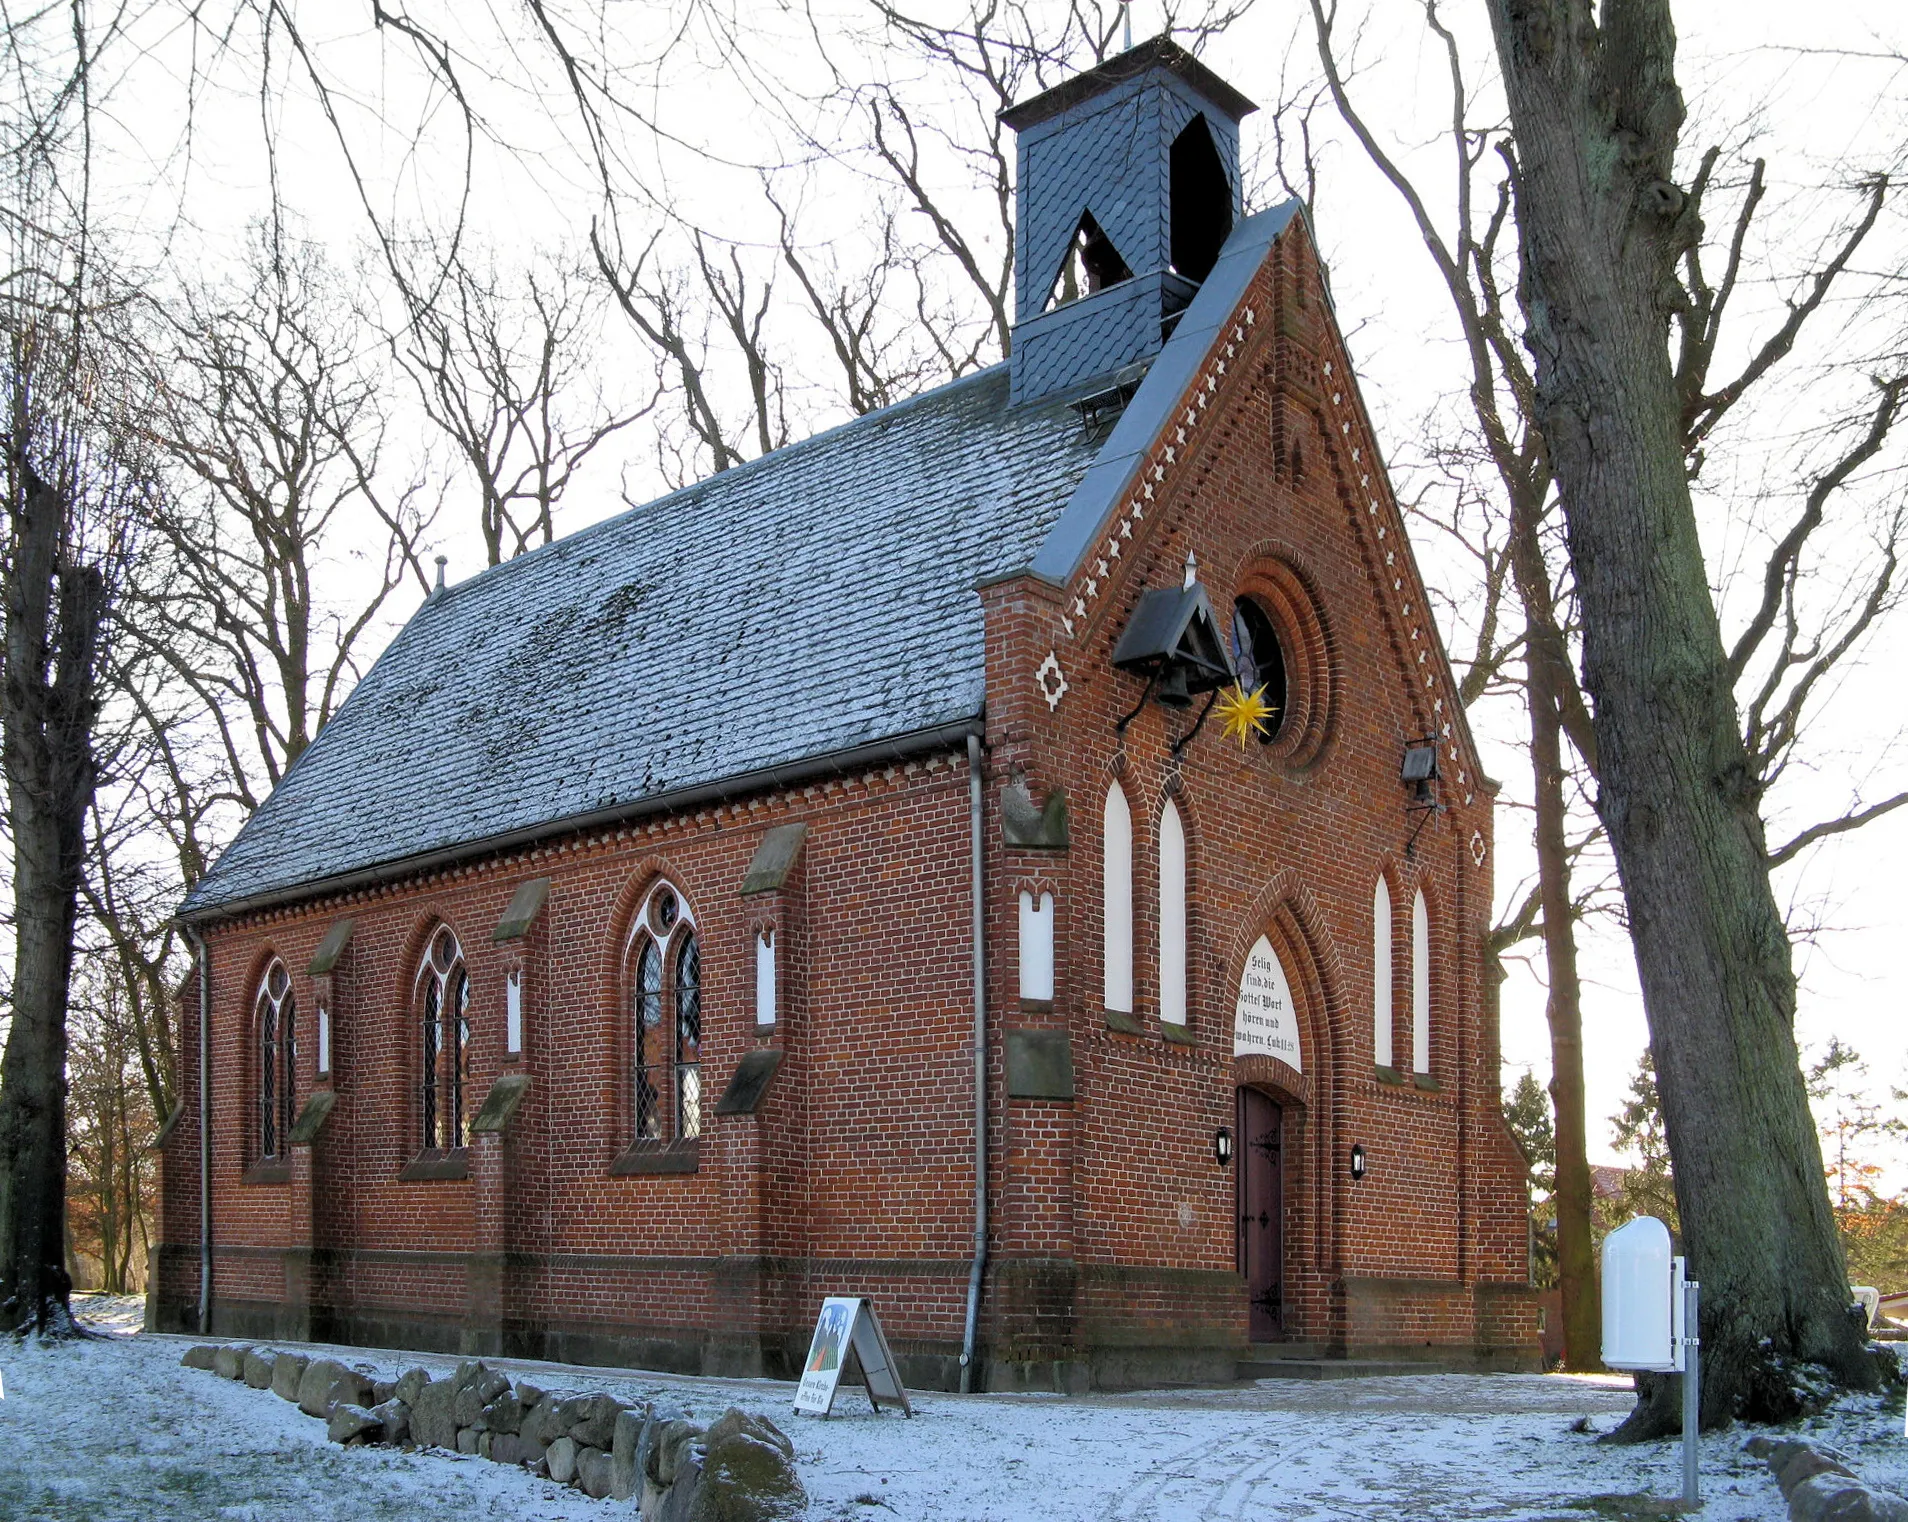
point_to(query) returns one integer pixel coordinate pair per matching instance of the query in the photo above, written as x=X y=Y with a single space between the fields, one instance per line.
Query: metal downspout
x=205 y=1133
x=979 y=932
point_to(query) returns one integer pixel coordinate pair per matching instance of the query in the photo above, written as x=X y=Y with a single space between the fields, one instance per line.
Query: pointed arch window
x=443 y=1005
x=1172 y=916
x=1091 y=264
x=665 y=961
x=276 y=1024
x=1420 y=986
x=1381 y=931
x=1116 y=890
x=1201 y=198
x=688 y=1038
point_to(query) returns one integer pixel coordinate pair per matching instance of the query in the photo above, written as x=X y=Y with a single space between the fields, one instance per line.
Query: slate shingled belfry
x=629 y=904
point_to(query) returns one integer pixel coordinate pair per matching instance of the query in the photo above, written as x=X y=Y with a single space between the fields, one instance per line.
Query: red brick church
x=1052 y=783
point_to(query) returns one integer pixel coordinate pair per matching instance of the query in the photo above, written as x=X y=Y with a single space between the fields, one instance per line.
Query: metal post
x=978 y=931
x=1692 y=1392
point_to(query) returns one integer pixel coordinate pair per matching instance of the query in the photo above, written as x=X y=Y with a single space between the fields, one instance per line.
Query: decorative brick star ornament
x=1243 y=714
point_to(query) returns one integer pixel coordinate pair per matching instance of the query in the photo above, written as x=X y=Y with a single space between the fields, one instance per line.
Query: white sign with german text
x=1265 y=1023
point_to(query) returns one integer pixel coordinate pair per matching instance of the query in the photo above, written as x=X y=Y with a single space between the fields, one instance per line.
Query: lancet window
x=1172 y=916
x=1116 y=887
x=276 y=1020
x=1420 y=986
x=665 y=960
x=1381 y=930
x=443 y=1004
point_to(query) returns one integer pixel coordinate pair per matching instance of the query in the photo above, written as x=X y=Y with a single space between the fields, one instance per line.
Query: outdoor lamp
x=1358 y=1160
x=1222 y=1146
x=1420 y=768
x=1418 y=772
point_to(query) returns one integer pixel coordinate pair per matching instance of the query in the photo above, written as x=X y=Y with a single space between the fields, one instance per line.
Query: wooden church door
x=1261 y=1186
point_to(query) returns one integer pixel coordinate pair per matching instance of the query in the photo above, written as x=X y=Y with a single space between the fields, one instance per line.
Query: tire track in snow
x=1226 y=1469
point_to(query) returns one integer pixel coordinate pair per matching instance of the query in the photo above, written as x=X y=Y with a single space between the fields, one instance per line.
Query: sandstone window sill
x=268 y=1170
x=436 y=1163
x=1388 y=1075
x=1427 y=1083
x=1177 y=1035
x=652 y=1157
x=1126 y=1024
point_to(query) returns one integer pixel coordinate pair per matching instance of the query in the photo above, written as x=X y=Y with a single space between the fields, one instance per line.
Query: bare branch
x=1840 y=826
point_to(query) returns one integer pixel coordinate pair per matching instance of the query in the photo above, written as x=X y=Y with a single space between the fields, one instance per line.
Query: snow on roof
x=811 y=601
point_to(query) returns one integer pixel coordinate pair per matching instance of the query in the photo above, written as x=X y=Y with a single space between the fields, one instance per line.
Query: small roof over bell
x=1173 y=632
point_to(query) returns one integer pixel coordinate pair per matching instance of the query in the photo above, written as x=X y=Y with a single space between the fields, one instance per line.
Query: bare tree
x=508 y=365
x=75 y=485
x=880 y=362
x=1512 y=558
x=131 y=895
x=1604 y=229
x=1476 y=260
x=941 y=175
x=271 y=409
x=110 y=1137
x=664 y=305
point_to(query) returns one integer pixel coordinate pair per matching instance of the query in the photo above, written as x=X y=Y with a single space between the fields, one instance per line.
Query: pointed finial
x=1192 y=570
x=442 y=561
x=1126 y=6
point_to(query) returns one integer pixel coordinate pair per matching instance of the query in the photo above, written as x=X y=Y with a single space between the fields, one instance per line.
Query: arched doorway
x=1261 y=1211
x=1269 y=1070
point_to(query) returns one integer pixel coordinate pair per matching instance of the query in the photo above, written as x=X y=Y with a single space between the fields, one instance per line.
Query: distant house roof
x=1607 y=1181
x=815 y=600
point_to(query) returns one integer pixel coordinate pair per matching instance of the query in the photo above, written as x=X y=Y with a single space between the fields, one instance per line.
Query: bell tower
x=1128 y=185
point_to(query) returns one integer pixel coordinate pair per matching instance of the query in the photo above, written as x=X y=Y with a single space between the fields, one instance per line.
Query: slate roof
x=814 y=600
x=1113 y=471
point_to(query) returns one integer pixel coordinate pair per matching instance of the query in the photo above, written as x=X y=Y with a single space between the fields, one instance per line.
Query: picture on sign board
x=831 y=1336
x=846 y=1322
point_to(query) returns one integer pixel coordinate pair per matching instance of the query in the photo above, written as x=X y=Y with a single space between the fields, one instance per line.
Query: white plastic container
x=1642 y=1298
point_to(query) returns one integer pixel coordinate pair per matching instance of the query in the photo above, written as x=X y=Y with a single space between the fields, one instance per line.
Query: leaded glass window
x=665 y=973
x=689 y=1039
x=650 y=1054
x=444 y=1041
x=1259 y=659
x=276 y=1016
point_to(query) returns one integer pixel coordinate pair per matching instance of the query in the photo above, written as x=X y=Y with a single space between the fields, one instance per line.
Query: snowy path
x=116 y=1430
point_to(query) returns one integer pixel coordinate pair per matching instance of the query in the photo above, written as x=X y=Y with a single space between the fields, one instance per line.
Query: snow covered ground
x=116 y=1429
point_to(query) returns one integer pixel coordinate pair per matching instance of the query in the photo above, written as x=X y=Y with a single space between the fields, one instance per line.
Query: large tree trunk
x=52 y=619
x=1595 y=112
x=1576 y=1257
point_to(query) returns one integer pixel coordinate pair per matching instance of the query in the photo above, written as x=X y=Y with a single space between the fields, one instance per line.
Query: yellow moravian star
x=1244 y=714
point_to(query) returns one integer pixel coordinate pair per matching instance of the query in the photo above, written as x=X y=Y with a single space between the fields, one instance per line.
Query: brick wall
x=1112 y=1249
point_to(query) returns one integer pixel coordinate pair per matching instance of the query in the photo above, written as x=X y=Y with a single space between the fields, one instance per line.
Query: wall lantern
x=1173 y=641
x=1420 y=769
x=1222 y=1146
x=1358 y=1160
x=1418 y=772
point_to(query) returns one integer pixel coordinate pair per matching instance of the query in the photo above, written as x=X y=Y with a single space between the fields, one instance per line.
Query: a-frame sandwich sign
x=845 y=1322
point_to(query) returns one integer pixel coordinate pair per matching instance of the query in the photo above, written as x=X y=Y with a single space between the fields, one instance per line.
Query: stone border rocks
x=740 y=1469
x=1820 y=1487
